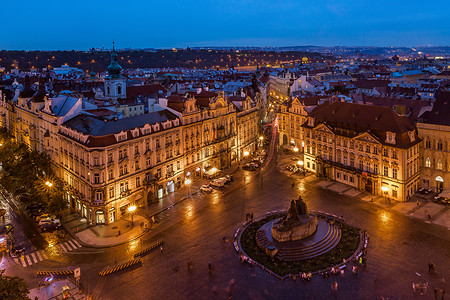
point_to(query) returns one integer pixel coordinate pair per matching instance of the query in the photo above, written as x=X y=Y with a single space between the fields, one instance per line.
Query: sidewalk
x=55 y=289
x=426 y=211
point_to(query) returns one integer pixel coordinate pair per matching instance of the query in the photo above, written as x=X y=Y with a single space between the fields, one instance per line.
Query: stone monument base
x=297 y=231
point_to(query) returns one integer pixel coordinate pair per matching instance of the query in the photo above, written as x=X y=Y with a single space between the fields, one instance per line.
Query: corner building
x=370 y=148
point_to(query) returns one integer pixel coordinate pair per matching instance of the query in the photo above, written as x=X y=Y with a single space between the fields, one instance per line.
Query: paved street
x=193 y=231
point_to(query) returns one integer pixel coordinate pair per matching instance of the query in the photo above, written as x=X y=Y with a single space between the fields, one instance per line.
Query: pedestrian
x=251 y=216
x=436 y=293
x=334 y=287
x=418 y=202
x=161 y=248
x=293 y=184
x=442 y=294
x=209 y=267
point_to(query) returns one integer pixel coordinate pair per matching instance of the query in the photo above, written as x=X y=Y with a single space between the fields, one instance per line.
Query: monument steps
x=329 y=236
x=262 y=240
x=325 y=245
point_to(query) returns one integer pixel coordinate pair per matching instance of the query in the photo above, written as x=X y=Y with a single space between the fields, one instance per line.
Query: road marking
x=72 y=244
x=62 y=248
x=28 y=260
x=69 y=248
x=44 y=255
x=23 y=262
x=78 y=244
x=39 y=256
x=33 y=256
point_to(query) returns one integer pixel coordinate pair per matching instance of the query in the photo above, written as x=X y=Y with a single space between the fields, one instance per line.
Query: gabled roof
x=440 y=114
x=61 y=105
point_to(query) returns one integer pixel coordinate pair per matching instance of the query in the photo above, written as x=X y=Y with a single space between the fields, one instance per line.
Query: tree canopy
x=13 y=288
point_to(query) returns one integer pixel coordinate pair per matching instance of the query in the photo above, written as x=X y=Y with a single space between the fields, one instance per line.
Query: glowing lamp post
x=246 y=153
x=131 y=210
x=385 y=190
x=188 y=183
x=49 y=184
x=295 y=149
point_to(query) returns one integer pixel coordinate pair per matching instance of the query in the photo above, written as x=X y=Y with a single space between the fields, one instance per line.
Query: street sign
x=77 y=273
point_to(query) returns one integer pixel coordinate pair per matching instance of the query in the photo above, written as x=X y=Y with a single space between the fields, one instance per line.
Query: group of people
x=249 y=216
x=306 y=276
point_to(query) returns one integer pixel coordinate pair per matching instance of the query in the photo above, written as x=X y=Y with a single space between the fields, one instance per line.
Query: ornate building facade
x=434 y=130
x=109 y=164
x=370 y=148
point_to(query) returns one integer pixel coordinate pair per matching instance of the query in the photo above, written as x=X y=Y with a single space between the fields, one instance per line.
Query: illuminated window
x=439 y=164
x=428 y=162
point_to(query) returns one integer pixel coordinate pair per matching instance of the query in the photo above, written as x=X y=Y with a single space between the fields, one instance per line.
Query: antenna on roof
x=113 y=46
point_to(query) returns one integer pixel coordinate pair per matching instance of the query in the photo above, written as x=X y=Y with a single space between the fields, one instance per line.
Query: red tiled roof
x=145 y=90
x=101 y=112
x=362 y=118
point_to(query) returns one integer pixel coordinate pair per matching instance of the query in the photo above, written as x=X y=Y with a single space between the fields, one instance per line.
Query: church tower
x=115 y=84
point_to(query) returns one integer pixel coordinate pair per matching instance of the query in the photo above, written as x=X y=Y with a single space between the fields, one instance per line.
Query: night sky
x=66 y=25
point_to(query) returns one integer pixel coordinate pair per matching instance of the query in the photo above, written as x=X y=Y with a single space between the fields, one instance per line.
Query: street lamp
x=188 y=182
x=131 y=210
x=385 y=190
x=300 y=163
x=49 y=184
x=246 y=153
x=295 y=149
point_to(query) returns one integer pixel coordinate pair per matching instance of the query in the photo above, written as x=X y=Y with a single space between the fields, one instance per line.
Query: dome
x=114 y=68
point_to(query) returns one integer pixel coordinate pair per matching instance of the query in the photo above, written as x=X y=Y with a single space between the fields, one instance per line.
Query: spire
x=114 y=68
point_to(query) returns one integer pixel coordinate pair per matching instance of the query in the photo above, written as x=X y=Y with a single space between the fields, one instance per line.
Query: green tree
x=13 y=288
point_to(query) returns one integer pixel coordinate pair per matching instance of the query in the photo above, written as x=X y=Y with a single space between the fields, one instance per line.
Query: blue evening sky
x=82 y=24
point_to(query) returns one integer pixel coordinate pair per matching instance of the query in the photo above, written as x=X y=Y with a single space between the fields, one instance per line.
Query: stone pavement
x=108 y=235
x=426 y=210
x=55 y=289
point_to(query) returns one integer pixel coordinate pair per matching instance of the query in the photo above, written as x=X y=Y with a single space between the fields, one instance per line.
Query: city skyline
x=224 y=23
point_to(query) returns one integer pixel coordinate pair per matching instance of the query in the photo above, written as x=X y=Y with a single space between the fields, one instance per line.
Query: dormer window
x=390 y=137
x=412 y=136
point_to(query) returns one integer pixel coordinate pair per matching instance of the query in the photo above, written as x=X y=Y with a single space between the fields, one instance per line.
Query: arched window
x=107 y=90
x=427 y=144
x=119 y=90
x=439 y=145
x=439 y=164
x=428 y=162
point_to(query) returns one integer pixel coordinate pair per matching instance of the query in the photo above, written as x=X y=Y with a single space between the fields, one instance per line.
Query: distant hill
x=130 y=59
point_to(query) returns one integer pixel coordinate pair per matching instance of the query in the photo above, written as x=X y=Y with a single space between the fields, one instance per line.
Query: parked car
x=45 y=216
x=49 y=220
x=49 y=227
x=206 y=188
x=5 y=229
x=18 y=249
x=35 y=206
x=229 y=178
x=218 y=183
x=249 y=167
